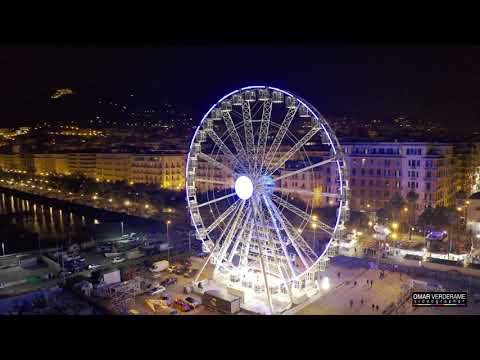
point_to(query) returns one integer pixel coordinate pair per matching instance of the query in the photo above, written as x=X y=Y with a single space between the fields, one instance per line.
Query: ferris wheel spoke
x=240 y=235
x=279 y=236
x=279 y=263
x=293 y=240
x=215 y=247
x=222 y=217
x=232 y=131
x=294 y=235
x=213 y=181
x=226 y=151
x=299 y=212
x=214 y=162
x=247 y=120
x=264 y=126
x=306 y=192
x=279 y=137
x=215 y=200
x=315 y=129
x=325 y=162
x=245 y=252
x=262 y=259
x=228 y=239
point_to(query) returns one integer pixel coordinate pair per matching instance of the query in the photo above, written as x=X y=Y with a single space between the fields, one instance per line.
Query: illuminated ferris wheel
x=258 y=194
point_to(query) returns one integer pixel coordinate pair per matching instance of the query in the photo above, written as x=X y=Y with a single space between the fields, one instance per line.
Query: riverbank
x=97 y=213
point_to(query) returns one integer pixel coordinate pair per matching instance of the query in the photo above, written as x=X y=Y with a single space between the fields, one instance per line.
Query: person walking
x=351 y=303
x=371 y=283
x=361 y=302
x=376 y=306
x=373 y=307
x=355 y=283
x=367 y=282
x=338 y=274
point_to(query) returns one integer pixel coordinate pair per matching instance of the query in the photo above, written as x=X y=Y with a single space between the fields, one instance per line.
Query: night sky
x=437 y=83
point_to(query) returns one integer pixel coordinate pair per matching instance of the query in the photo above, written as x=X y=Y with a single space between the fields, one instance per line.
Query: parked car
x=194 y=303
x=167 y=300
x=180 y=271
x=190 y=273
x=157 y=290
x=117 y=260
x=169 y=281
x=174 y=312
x=93 y=266
x=181 y=305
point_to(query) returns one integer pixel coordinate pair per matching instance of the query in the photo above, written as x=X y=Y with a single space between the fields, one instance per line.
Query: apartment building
x=167 y=170
x=467 y=167
x=82 y=163
x=50 y=164
x=379 y=171
x=16 y=161
x=113 y=167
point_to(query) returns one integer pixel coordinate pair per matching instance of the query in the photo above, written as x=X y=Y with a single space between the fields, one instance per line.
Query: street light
x=126 y=203
x=147 y=206
x=168 y=241
x=394 y=226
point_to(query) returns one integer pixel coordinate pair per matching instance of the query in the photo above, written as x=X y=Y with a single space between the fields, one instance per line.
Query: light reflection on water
x=47 y=221
x=55 y=225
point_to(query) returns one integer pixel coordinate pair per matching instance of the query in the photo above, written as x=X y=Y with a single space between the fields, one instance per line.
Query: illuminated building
x=82 y=163
x=164 y=169
x=51 y=164
x=112 y=167
x=380 y=170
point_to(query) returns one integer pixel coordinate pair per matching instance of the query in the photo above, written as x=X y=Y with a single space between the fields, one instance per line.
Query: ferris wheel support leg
x=262 y=262
x=284 y=249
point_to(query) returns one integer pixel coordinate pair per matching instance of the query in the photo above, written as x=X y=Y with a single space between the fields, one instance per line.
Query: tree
x=427 y=217
x=452 y=218
x=412 y=198
x=357 y=219
x=396 y=203
x=460 y=197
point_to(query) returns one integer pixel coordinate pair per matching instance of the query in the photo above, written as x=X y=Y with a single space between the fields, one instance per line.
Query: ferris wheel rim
x=335 y=146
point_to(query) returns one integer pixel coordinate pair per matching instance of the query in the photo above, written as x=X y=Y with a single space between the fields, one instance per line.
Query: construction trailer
x=224 y=303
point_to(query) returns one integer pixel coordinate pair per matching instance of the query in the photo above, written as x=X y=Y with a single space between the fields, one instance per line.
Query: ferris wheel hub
x=244 y=187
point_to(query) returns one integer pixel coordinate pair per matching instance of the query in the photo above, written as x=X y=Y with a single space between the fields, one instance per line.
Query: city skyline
x=435 y=83
x=239 y=179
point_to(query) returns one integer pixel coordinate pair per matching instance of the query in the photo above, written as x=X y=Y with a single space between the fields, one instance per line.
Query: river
x=27 y=224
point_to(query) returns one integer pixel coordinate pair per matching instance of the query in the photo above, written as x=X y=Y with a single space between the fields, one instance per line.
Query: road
x=337 y=300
